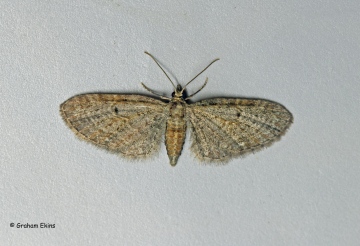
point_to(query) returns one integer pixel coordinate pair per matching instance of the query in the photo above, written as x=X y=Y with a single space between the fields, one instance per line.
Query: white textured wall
x=304 y=190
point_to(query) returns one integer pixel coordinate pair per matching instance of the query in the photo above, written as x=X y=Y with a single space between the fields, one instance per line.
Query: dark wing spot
x=116 y=110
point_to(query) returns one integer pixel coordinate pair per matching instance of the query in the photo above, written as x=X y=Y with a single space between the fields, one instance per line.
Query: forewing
x=224 y=128
x=131 y=125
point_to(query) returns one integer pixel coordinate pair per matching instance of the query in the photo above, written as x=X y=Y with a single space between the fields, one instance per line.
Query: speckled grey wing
x=223 y=128
x=131 y=125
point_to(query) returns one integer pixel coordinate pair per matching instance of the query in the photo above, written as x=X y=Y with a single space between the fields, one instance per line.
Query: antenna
x=162 y=97
x=199 y=74
x=160 y=68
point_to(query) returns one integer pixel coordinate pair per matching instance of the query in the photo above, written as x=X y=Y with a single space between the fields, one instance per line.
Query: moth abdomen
x=175 y=130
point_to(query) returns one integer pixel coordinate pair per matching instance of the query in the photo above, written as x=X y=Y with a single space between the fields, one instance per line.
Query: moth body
x=175 y=127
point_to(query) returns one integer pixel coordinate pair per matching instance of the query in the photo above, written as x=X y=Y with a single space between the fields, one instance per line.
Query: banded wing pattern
x=131 y=125
x=223 y=128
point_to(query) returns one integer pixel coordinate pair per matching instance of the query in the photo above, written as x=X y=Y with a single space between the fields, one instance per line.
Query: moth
x=134 y=125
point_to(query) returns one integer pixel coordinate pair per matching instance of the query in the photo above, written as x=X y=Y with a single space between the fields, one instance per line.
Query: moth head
x=178 y=92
